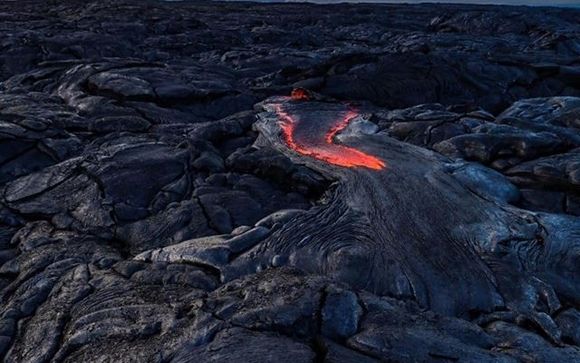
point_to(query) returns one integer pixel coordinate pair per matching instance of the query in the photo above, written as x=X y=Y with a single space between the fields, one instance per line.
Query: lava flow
x=306 y=139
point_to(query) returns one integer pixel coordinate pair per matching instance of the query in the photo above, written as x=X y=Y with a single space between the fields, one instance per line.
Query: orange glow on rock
x=299 y=94
x=323 y=148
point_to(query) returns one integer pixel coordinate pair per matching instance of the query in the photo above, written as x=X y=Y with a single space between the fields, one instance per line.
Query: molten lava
x=304 y=140
x=300 y=94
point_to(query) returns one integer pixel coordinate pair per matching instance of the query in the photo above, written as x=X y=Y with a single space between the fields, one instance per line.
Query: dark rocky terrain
x=160 y=200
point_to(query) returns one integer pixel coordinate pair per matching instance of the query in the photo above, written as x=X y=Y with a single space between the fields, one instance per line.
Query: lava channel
x=315 y=139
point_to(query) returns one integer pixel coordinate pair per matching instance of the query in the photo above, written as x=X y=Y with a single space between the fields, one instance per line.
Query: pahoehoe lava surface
x=203 y=181
x=315 y=137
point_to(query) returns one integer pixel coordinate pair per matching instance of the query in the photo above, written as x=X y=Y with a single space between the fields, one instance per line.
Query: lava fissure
x=324 y=148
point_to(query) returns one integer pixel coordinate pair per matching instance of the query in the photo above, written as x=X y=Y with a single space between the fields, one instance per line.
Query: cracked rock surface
x=153 y=207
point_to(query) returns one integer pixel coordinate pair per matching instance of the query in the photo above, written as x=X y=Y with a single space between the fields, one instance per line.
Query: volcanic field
x=240 y=182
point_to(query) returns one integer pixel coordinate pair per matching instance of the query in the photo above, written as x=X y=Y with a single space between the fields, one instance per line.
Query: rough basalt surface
x=157 y=203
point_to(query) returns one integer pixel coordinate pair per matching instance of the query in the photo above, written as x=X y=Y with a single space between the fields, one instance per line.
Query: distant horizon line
x=402 y=2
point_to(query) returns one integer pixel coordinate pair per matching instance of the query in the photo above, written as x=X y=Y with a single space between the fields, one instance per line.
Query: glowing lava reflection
x=315 y=139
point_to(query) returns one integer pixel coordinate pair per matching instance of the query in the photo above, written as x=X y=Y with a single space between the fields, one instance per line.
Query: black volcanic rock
x=162 y=199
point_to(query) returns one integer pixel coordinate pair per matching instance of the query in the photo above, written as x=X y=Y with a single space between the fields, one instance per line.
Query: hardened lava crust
x=242 y=182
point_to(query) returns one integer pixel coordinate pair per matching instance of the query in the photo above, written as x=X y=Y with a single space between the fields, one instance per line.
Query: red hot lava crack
x=326 y=150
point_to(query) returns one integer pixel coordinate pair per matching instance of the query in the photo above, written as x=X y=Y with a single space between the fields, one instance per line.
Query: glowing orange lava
x=299 y=94
x=324 y=148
